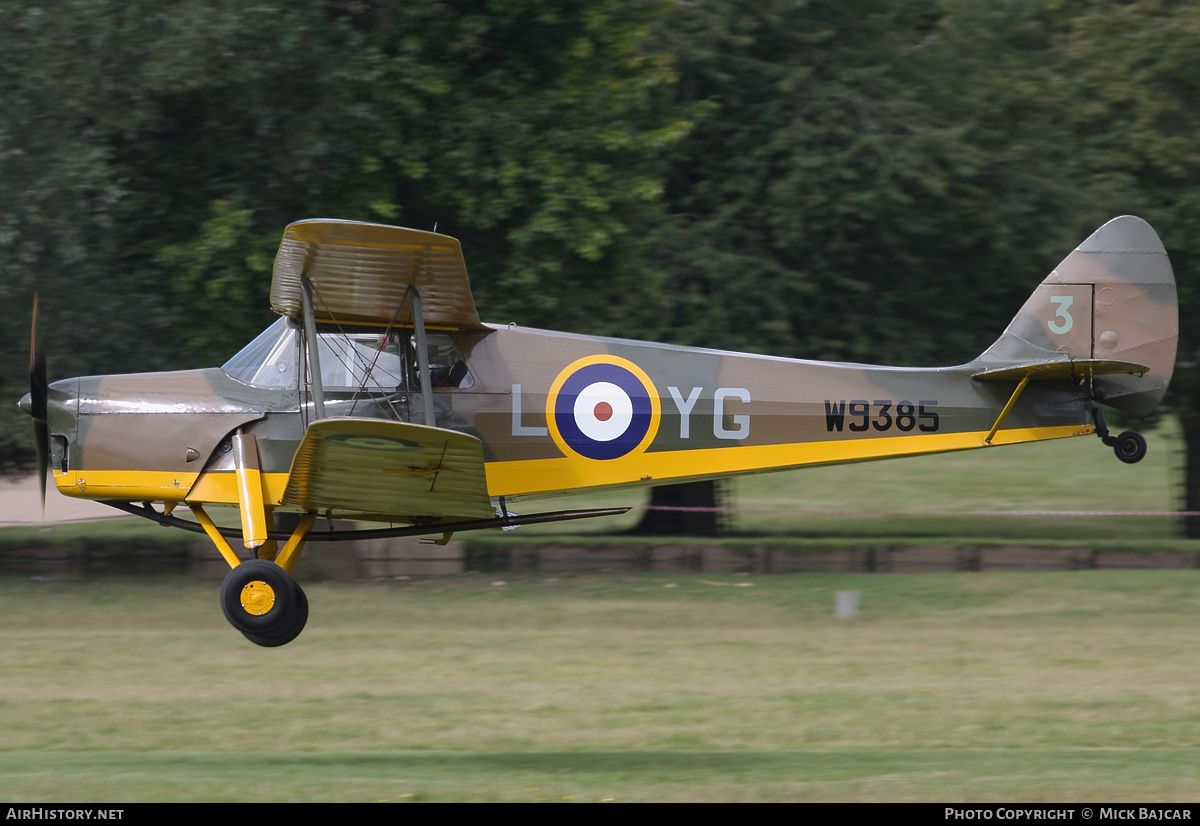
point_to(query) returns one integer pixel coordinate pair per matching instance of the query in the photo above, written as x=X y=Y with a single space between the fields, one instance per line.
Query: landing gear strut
x=1130 y=446
x=259 y=596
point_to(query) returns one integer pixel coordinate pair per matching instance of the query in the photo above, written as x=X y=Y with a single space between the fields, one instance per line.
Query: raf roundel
x=603 y=409
x=367 y=442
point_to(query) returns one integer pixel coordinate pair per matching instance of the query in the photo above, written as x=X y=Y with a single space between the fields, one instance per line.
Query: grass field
x=975 y=687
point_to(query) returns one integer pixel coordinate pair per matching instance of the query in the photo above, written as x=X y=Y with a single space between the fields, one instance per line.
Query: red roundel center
x=603 y=412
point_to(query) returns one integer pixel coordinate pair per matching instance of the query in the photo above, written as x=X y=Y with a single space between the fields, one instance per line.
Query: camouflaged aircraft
x=378 y=396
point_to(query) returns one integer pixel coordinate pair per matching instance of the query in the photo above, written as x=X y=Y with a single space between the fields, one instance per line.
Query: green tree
x=859 y=188
x=144 y=152
x=1126 y=77
x=536 y=132
x=836 y=203
x=150 y=156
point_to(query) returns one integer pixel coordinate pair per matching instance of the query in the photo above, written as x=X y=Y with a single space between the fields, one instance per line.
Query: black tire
x=290 y=629
x=1130 y=447
x=278 y=603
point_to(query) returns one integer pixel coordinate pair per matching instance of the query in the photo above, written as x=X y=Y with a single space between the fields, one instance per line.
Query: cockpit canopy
x=354 y=358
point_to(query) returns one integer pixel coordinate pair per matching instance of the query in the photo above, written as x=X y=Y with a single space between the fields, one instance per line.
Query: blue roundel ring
x=603 y=410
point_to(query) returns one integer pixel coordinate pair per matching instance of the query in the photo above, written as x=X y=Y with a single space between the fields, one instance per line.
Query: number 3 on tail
x=1059 y=327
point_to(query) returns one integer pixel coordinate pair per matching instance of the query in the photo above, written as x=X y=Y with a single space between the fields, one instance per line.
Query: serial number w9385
x=857 y=415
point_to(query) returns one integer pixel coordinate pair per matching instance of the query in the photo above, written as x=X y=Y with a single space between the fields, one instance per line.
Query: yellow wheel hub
x=258 y=598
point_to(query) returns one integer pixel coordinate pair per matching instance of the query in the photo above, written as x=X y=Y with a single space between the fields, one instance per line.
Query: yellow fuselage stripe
x=164 y=486
x=570 y=473
x=575 y=473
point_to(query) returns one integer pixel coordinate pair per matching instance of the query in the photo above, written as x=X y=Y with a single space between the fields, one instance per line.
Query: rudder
x=1111 y=302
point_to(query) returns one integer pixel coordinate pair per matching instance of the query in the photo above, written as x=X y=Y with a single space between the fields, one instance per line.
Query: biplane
x=378 y=396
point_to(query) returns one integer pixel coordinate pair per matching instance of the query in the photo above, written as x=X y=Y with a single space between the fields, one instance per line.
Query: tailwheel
x=1130 y=447
x=260 y=599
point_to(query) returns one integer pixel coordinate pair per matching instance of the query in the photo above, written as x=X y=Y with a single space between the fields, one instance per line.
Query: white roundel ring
x=602 y=409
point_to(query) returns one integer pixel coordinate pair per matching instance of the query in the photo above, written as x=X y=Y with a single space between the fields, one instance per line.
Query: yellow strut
x=287 y=557
x=1003 y=413
x=270 y=548
x=215 y=535
x=291 y=550
x=249 y=489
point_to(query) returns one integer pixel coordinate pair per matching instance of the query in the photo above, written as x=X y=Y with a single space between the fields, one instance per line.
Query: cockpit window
x=446 y=365
x=361 y=361
x=351 y=360
x=270 y=360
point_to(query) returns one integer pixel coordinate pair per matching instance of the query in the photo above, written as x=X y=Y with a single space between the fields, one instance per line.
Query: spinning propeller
x=38 y=393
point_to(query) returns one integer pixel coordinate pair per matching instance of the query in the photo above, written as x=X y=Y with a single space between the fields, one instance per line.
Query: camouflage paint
x=655 y=413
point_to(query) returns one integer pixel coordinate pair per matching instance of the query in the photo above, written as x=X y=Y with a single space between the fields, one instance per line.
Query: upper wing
x=389 y=471
x=361 y=273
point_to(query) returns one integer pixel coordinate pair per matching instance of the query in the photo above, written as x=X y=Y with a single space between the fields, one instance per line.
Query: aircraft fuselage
x=555 y=412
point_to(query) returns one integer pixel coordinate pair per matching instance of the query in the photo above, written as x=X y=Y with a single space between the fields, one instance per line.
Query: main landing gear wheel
x=291 y=627
x=259 y=598
x=1130 y=447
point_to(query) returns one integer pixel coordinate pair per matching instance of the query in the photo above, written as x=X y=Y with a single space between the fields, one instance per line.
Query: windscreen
x=270 y=359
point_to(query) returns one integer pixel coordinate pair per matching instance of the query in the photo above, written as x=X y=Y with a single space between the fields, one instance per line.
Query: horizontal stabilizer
x=373 y=468
x=1063 y=369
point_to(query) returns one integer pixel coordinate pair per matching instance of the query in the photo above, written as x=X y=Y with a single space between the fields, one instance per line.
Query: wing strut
x=422 y=357
x=314 y=354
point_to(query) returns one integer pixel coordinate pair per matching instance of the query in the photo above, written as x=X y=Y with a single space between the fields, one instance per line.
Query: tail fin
x=1107 y=313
